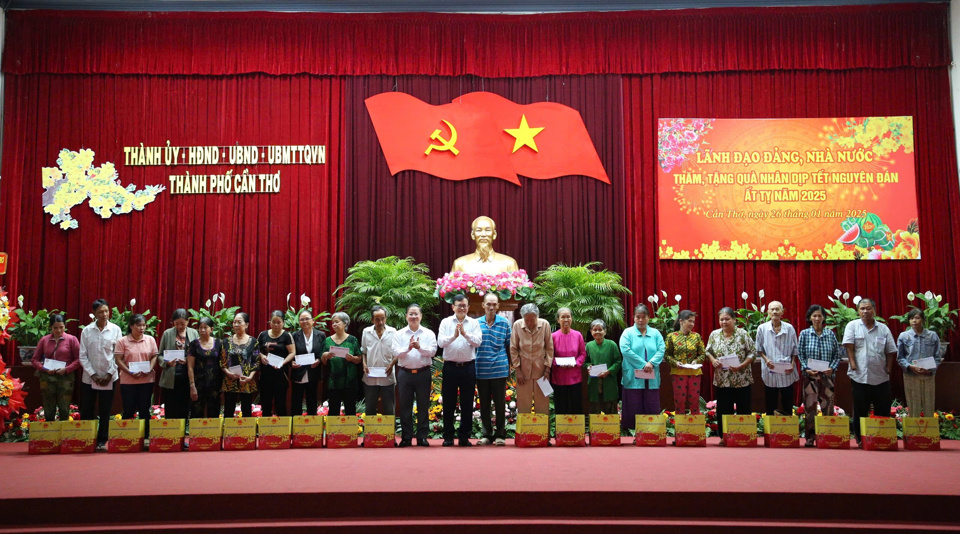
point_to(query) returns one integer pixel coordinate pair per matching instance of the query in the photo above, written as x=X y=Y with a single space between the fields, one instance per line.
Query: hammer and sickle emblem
x=445 y=143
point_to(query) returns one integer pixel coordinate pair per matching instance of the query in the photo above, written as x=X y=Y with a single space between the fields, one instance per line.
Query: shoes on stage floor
x=404 y=443
x=448 y=443
x=465 y=443
x=499 y=442
x=102 y=446
x=809 y=444
x=484 y=441
x=423 y=443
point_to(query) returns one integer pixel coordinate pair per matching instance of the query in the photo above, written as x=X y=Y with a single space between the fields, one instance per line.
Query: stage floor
x=715 y=483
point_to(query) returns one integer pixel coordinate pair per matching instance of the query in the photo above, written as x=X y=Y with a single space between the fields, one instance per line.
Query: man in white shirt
x=777 y=343
x=414 y=347
x=97 y=341
x=871 y=352
x=459 y=338
x=376 y=343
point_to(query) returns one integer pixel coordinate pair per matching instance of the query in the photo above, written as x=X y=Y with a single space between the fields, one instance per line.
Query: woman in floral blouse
x=732 y=380
x=685 y=347
x=240 y=362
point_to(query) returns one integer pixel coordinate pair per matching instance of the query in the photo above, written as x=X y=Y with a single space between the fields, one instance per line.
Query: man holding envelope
x=777 y=345
x=871 y=351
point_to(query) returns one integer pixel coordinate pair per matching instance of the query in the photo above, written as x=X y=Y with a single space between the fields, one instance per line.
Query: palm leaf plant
x=391 y=282
x=589 y=293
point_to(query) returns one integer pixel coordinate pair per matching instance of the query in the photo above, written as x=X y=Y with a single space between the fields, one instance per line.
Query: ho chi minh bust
x=484 y=260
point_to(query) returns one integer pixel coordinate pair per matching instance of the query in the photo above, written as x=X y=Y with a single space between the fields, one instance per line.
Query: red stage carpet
x=666 y=488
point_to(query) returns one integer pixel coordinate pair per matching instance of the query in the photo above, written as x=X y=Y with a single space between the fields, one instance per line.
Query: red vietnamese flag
x=561 y=147
x=466 y=146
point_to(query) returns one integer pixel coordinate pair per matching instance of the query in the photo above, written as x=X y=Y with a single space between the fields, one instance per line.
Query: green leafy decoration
x=391 y=282
x=590 y=294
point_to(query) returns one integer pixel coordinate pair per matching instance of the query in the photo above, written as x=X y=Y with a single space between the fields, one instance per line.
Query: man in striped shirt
x=493 y=368
x=777 y=343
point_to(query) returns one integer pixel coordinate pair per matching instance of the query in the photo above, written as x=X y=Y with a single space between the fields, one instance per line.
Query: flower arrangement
x=840 y=314
x=677 y=139
x=664 y=316
x=11 y=395
x=751 y=318
x=936 y=317
x=7 y=316
x=506 y=285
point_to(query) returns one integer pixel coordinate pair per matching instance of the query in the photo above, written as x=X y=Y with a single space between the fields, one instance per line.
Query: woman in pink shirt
x=56 y=383
x=566 y=379
x=136 y=384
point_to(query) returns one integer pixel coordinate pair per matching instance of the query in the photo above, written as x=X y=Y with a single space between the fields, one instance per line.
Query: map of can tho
x=787 y=189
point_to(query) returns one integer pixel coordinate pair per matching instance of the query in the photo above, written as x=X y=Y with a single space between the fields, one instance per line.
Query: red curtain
x=694 y=40
x=570 y=219
x=180 y=249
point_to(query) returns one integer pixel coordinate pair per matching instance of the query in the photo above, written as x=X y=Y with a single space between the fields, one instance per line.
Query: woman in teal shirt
x=642 y=348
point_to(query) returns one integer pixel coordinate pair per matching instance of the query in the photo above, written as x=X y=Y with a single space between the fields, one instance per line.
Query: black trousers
x=783 y=396
x=273 y=393
x=99 y=402
x=208 y=405
x=136 y=400
x=176 y=401
x=230 y=403
x=297 y=394
x=413 y=385
x=863 y=396
x=493 y=389
x=347 y=397
x=727 y=397
x=568 y=400
x=459 y=383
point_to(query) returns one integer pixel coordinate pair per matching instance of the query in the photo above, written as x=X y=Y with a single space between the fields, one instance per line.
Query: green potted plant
x=29 y=327
x=222 y=317
x=841 y=313
x=291 y=317
x=939 y=318
x=590 y=294
x=663 y=317
x=391 y=282
x=122 y=319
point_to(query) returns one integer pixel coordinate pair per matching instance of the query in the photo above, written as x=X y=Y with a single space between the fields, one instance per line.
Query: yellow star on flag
x=524 y=135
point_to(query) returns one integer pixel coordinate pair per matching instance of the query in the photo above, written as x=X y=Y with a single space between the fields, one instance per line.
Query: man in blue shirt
x=493 y=368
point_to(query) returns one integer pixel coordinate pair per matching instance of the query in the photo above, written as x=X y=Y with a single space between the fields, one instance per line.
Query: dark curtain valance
x=642 y=42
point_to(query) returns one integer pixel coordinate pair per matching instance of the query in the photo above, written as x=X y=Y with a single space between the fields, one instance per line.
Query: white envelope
x=568 y=361
x=236 y=369
x=305 y=360
x=174 y=355
x=545 y=386
x=53 y=365
x=640 y=373
x=340 y=352
x=926 y=363
x=817 y=365
x=377 y=372
x=731 y=360
x=781 y=368
x=98 y=387
x=139 y=367
x=274 y=360
x=596 y=370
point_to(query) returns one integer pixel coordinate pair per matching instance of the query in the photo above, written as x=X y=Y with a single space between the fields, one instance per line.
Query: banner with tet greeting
x=787 y=189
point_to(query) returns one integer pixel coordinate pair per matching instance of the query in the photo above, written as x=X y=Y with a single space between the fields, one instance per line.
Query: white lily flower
x=92 y=317
x=222 y=297
x=836 y=292
x=939 y=298
x=856 y=300
x=304 y=300
x=911 y=296
x=208 y=303
x=20 y=301
x=288 y=297
x=677 y=298
x=744 y=295
x=846 y=295
x=650 y=299
x=133 y=302
x=760 y=293
x=754 y=305
x=928 y=295
x=656 y=298
x=763 y=308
